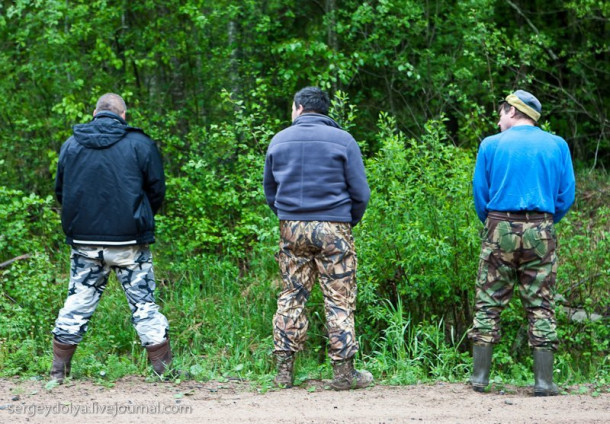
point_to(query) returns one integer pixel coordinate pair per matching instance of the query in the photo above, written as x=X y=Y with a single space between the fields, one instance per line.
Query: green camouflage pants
x=90 y=269
x=517 y=249
x=310 y=250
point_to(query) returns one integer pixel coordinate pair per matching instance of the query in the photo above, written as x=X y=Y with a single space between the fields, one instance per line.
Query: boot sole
x=545 y=394
x=345 y=386
x=341 y=388
x=283 y=386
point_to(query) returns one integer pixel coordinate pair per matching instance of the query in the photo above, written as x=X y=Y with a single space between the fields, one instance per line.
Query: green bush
x=215 y=202
x=29 y=286
x=418 y=243
x=582 y=284
x=29 y=224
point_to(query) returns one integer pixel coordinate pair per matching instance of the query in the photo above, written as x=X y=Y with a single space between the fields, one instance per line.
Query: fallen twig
x=10 y=261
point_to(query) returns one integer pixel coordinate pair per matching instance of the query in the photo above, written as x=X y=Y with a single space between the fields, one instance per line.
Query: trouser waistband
x=521 y=215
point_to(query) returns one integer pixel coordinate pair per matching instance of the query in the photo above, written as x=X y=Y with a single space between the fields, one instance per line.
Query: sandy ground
x=134 y=400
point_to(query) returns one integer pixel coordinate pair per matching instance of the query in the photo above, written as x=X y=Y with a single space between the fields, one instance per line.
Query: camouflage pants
x=517 y=249
x=310 y=250
x=90 y=269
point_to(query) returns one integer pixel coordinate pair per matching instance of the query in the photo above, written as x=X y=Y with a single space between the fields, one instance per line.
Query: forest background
x=416 y=83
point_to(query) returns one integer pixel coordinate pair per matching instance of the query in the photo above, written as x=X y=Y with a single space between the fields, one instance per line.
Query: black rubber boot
x=543 y=373
x=285 y=369
x=481 y=358
x=62 y=360
x=346 y=377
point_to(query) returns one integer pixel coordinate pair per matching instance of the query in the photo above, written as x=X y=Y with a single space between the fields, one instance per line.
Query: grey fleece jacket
x=314 y=172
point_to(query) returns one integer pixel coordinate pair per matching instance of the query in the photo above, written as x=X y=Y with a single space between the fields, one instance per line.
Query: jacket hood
x=103 y=131
x=315 y=118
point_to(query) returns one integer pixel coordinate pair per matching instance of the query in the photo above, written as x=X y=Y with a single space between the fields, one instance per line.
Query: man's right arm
x=357 y=184
x=154 y=183
x=567 y=188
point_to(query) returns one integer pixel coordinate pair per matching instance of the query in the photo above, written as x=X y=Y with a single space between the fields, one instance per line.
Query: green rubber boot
x=543 y=373
x=481 y=358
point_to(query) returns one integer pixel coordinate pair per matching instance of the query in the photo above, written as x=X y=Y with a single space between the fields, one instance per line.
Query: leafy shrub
x=28 y=224
x=582 y=285
x=215 y=203
x=418 y=243
x=29 y=229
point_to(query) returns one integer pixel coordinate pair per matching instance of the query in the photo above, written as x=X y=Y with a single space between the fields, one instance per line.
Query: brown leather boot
x=62 y=358
x=285 y=369
x=346 y=377
x=160 y=356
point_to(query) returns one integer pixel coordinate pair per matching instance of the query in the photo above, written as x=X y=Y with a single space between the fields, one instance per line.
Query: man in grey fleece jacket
x=315 y=183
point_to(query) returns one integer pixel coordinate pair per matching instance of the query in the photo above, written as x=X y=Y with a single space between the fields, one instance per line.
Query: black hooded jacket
x=110 y=183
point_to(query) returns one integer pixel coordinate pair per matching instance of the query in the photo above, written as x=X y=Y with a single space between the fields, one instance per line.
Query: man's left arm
x=480 y=186
x=269 y=183
x=59 y=176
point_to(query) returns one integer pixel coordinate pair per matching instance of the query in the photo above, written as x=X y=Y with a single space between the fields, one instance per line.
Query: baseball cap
x=526 y=103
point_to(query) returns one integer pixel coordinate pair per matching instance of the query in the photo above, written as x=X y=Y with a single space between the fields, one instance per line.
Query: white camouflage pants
x=90 y=269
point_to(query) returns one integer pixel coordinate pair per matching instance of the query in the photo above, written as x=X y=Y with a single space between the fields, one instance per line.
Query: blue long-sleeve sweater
x=524 y=169
x=314 y=172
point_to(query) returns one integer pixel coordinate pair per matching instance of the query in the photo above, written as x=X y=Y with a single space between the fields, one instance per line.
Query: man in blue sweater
x=315 y=183
x=523 y=184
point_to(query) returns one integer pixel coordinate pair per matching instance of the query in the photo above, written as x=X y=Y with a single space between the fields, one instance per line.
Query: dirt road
x=133 y=400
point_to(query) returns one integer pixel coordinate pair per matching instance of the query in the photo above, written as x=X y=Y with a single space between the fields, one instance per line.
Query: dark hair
x=313 y=100
x=505 y=106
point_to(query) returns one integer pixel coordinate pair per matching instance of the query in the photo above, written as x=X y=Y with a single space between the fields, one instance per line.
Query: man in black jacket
x=110 y=183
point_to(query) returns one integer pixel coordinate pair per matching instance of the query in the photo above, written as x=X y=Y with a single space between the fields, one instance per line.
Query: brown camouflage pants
x=517 y=249
x=310 y=250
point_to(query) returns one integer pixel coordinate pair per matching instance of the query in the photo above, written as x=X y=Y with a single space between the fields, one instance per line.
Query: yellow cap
x=526 y=103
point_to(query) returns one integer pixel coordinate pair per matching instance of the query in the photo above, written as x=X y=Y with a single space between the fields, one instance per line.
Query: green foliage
x=420 y=231
x=29 y=291
x=408 y=352
x=28 y=224
x=415 y=61
x=29 y=235
x=220 y=319
x=582 y=279
x=215 y=203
